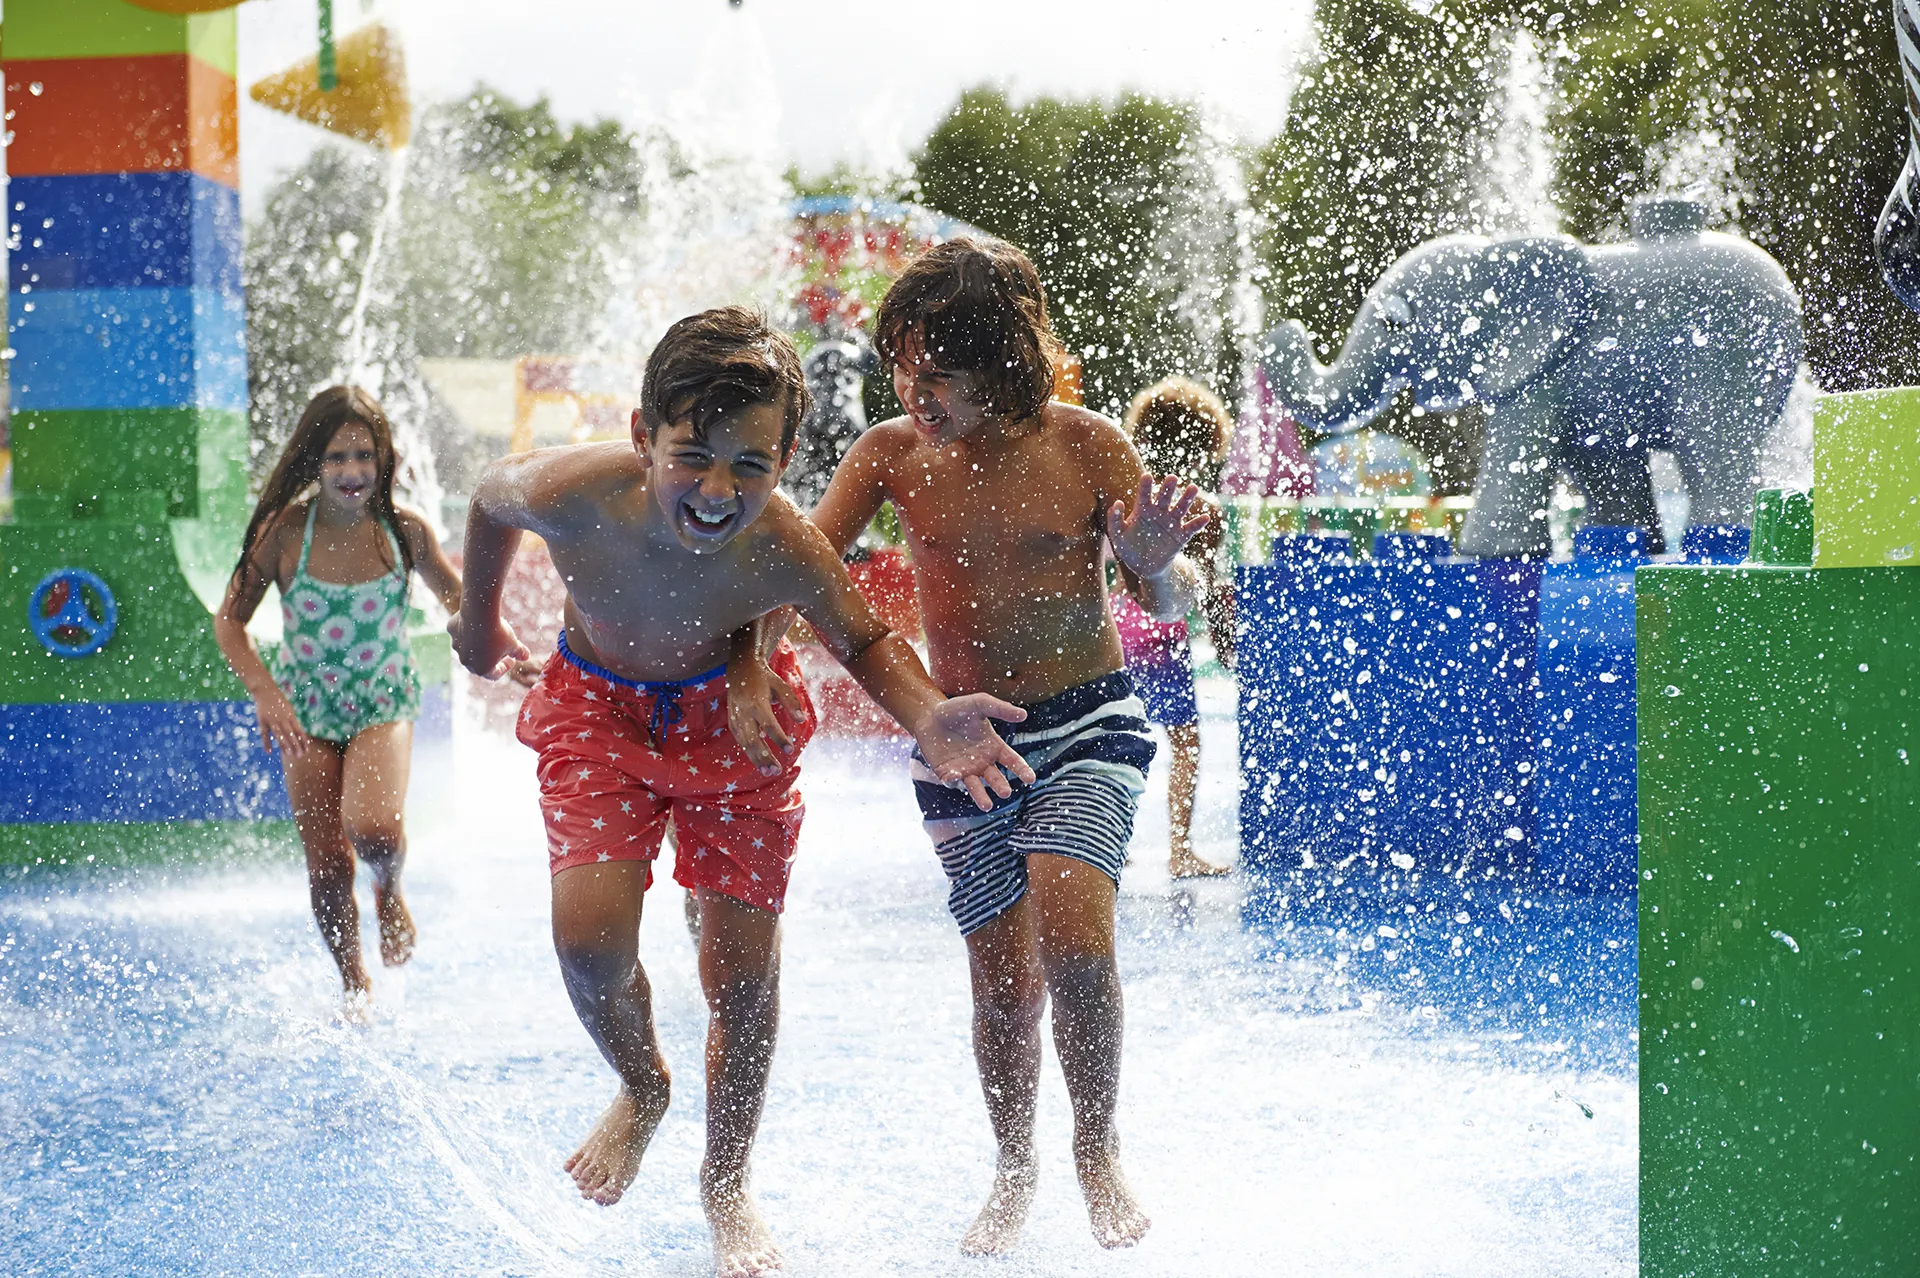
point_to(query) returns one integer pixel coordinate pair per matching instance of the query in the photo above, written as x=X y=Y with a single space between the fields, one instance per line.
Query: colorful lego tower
x=120 y=725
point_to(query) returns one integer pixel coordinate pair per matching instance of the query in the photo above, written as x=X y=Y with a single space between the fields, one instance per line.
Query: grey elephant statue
x=836 y=372
x=1586 y=357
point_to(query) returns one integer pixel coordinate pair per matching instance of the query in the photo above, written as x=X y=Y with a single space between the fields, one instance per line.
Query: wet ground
x=1315 y=1097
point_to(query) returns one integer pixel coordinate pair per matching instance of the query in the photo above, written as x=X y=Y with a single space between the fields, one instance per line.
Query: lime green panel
x=1866 y=469
x=114 y=28
x=432 y=655
x=163 y=648
x=1779 y=756
x=82 y=845
x=79 y=457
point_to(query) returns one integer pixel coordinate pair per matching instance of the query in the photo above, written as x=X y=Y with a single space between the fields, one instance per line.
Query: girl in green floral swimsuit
x=341 y=698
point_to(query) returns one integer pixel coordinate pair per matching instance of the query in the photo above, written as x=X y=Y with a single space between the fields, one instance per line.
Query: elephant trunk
x=1331 y=400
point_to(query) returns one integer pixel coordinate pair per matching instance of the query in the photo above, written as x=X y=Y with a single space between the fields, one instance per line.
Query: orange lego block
x=150 y=114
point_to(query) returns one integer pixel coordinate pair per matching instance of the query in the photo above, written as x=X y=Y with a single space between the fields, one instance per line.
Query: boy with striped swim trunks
x=1008 y=501
x=668 y=545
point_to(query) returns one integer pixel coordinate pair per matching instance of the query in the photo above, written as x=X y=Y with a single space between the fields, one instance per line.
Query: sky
x=806 y=81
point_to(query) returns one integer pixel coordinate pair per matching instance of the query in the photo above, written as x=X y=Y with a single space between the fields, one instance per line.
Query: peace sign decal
x=64 y=620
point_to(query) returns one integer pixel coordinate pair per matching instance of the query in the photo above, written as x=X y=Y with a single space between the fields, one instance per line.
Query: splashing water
x=1518 y=175
x=714 y=226
x=1701 y=162
x=178 y=1100
x=358 y=367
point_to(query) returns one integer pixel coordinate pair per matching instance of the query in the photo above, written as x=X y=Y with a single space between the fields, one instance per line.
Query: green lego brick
x=1782 y=528
x=81 y=845
x=82 y=457
x=1866 y=468
x=432 y=654
x=1779 y=757
x=163 y=648
x=114 y=28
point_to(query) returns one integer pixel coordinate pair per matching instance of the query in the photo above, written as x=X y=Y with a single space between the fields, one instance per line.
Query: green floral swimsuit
x=344 y=660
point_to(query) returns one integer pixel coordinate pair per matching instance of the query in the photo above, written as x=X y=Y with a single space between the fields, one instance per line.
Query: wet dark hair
x=974 y=305
x=713 y=364
x=1180 y=427
x=299 y=466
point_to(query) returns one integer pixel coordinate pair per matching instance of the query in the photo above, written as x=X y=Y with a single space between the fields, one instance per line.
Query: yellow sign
x=369 y=104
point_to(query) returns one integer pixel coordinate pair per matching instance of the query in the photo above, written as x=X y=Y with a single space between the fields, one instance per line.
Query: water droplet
x=1672 y=691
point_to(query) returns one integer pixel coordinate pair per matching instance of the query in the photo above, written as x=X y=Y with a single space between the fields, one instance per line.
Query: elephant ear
x=1541 y=293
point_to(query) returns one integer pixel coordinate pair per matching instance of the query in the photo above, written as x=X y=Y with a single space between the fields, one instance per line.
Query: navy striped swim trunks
x=1089 y=748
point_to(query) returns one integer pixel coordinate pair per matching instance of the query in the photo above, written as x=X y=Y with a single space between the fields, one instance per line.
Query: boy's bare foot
x=1188 y=865
x=997 y=1228
x=396 y=927
x=1116 y=1218
x=609 y=1158
x=743 y=1246
x=356 y=1003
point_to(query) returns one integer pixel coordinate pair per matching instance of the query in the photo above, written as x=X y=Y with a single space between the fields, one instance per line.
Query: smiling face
x=349 y=469
x=709 y=488
x=943 y=405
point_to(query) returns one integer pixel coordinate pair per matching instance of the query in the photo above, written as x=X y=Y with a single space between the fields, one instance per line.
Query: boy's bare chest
x=652 y=597
x=982 y=520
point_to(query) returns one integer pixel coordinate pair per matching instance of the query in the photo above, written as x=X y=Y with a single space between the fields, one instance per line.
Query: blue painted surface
x=1386 y=711
x=1584 y=716
x=152 y=760
x=137 y=761
x=90 y=348
x=1715 y=543
x=1414 y=713
x=123 y=230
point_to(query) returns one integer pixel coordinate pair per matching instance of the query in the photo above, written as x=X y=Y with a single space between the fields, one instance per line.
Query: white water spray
x=357 y=355
x=1518 y=194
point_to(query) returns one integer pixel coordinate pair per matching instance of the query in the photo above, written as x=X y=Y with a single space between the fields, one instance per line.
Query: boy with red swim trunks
x=668 y=546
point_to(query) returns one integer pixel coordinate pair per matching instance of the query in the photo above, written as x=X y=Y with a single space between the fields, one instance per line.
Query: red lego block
x=150 y=114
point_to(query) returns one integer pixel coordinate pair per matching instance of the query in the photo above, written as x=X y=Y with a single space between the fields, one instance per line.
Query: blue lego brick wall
x=124 y=230
x=1584 y=715
x=153 y=760
x=1414 y=713
x=1386 y=710
x=88 y=348
x=137 y=761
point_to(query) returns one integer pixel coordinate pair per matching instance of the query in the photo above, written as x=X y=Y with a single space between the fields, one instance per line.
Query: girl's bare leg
x=313 y=783
x=1073 y=905
x=1009 y=994
x=740 y=973
x=1183 y=775
x=596 y=933
x=373 y=799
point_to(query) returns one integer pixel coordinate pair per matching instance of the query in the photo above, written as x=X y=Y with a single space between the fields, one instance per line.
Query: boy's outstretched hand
x=959 y=744
x=1166 y=514
x=752 y=686
x=488 y=651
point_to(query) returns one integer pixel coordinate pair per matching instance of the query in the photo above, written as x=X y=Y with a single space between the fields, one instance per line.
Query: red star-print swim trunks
x=619 y=758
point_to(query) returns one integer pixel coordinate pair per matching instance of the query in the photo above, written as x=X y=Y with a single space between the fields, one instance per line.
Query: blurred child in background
x=1180 y=428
